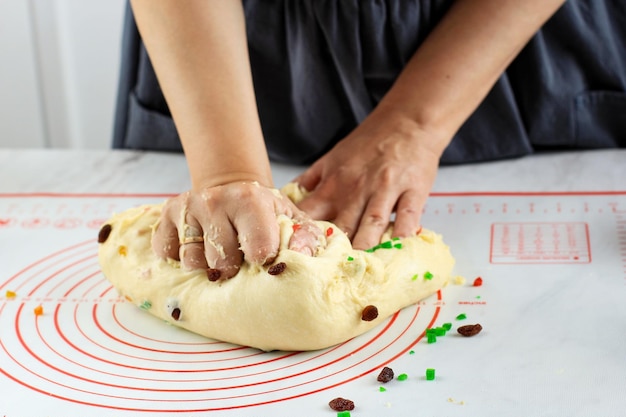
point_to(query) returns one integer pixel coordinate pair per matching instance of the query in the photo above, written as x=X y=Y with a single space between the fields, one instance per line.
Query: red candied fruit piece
x=478 y=282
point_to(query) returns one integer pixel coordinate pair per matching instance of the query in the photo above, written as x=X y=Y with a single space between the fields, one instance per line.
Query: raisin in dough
x=314 y=303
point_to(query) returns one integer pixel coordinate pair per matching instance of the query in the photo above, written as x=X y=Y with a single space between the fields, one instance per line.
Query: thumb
x=310 y=178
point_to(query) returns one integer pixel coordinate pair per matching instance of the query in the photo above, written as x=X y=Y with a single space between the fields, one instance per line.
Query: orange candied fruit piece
x=10 y=294
x=122 y=250
x=38 y=310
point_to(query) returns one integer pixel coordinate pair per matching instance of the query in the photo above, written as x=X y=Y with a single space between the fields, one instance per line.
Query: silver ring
x=192 y=239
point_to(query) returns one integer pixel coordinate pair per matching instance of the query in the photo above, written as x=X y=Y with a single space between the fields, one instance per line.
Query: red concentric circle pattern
x=91 y=347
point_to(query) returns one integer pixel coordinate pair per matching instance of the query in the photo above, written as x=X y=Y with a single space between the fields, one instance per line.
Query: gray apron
x=320 y=66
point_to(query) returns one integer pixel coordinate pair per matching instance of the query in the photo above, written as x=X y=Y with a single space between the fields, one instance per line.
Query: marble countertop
x=148 y=172
x=546 y=233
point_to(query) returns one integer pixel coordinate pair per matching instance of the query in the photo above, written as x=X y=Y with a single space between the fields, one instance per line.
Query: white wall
x=58 y=78
x=21 y=121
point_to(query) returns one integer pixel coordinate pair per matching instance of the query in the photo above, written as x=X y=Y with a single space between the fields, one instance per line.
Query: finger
x=221 y=249
x=349 y=217
x=310 y=178
x=374 y=222
x=306 y=238
x=165 y=241
x=191 y=250
x=409 y=213
x=318 y=206
x=259 y=235
x=192 y=255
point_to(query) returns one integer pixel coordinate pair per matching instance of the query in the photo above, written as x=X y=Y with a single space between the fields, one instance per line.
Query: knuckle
x=375 y=219
x=408 y=211
x=387 y=176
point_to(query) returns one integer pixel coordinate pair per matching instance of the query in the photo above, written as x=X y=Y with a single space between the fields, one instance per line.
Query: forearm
x=199 y=51
x=460 y=61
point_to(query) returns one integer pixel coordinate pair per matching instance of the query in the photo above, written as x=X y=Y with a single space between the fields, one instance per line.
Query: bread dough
x=314 y=303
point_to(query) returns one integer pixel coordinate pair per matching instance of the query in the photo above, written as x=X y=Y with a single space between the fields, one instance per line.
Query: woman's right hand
x=216 y=228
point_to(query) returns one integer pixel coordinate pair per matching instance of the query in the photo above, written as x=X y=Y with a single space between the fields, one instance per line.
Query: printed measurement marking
x=531 y=243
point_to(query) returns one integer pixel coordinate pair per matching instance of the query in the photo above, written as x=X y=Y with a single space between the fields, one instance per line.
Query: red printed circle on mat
x=90 y=347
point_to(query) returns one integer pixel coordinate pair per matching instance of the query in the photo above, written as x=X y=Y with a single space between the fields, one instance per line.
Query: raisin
x=104 y=233
x=213 y=274
x=176 y=314
x=369 y=313
x=385 y=375
x=469 y=330
x=341 y=404
x=277 y=269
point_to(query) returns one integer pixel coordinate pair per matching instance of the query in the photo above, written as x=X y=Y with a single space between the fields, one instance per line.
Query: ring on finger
x=192 y=239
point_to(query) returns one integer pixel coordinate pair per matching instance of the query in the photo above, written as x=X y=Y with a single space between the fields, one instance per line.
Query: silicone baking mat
x=553 y=267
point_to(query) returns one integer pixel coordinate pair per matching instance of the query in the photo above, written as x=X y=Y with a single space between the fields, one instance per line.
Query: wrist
x=216 y=179
x=235 y=158
x=433 y=136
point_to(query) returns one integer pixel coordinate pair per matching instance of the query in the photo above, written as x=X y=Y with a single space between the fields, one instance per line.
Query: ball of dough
x=315 y=302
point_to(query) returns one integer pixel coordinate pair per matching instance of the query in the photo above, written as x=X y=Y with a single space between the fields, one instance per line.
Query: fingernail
x=270 y=259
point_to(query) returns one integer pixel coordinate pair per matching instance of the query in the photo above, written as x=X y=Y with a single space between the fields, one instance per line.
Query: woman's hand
x=389 y=162
x=386 y=164
x=217 y=228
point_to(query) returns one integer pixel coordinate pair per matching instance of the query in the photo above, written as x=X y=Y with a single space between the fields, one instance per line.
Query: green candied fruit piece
x=386 y=245
x=403 y=377
x=146 y=305
x=382 y=389
x=447 y=326
x=440 y=331
x=343 y=414
x=430 y=374
x=461 y=316
x=350 y=258
x=373 y=248
x=428 y=275
x=398 y=246
x=411 y=352
x=414 y=277
x=431 y=338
